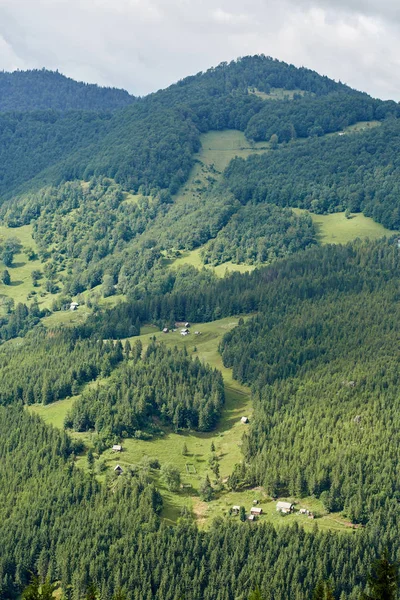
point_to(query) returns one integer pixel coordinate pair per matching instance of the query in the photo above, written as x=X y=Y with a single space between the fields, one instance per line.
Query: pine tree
x=383 y=579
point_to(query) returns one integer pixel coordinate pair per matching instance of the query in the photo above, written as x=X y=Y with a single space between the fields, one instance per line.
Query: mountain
x=179 y=343
x=24 y=91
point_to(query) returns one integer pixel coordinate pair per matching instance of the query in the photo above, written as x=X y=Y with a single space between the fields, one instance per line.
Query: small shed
x=235 y=510
x=256 y=510
x=118 y=470
x=165 y=330
x=255 y=502
x=187 y=324
x=285 y=507
x=251 y=517
x=117 y=448
x=303 y=511
x=73 y=305
x=244 y=419
x=184 y=332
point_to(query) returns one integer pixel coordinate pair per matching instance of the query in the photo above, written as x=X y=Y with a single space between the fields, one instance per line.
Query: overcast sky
x=144 y=45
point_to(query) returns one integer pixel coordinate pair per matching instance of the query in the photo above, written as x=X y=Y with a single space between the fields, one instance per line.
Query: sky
x=145 y=45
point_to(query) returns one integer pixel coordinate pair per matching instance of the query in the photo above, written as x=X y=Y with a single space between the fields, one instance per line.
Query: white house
x=117 y=448
x=256 y=510
x=244 y=420
x=73 y=305
x=284 y=507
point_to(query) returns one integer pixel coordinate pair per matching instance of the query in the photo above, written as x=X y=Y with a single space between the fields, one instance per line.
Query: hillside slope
x=43 y=89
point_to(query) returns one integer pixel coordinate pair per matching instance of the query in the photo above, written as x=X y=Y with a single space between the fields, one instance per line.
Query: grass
x=277 y=94
x=336 y=229
x=193 y=258
x=53 y=414
x=21 y=270
x=226 y=439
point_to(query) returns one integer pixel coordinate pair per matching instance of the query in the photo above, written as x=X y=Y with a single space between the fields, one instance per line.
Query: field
x=194 y=465
x=21 y=269
x=277 y=94
x=193 y=258
x=336 y=229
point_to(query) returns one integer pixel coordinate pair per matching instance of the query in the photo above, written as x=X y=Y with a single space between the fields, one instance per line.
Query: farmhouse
x=244 y=420
x=256 y=510
x=117 y=448
x=284 y=507
x=118 y=470
x=73 y=305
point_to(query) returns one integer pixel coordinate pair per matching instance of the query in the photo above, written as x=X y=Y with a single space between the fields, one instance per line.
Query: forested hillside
x=358 y=172
x=42 y=89
x=323 y=363
x=110 y=200
x=164 y=384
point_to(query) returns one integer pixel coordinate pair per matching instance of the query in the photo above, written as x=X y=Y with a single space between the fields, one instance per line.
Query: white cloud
x=143 y=45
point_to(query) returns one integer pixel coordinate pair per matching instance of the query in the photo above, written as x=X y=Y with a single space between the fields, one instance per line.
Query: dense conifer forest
x=96 y=176
x=163 y=383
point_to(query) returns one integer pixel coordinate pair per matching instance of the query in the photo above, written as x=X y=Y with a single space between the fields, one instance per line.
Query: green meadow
x=194 y=466
x=21 y=270
x=335 y=228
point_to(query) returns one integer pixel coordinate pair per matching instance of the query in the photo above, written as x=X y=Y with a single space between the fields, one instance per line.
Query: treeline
x=151 y=143
x=40 y=89
x=312 y=117
x=51 y=365
x=58 y=522
x=260 y=234
x=199 y=296
x=19 y=320
x=359 y=172
x=164 y=383
x=324 y=372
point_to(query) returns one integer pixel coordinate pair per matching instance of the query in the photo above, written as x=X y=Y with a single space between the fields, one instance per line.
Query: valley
x=226 y=438
x=254 y=206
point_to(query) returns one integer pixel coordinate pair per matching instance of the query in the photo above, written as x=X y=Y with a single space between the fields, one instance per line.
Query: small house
x=255 y=502
x=197 y=333
x=73 y=305
x=187 y=324
x=303 y=511
x=117 y=448
x=256 y=510
x=165 y=330
x=251 y=517
x=235 y=510
x=184 y=333
x=285 y=507
x=244 y=420
x=118 y=470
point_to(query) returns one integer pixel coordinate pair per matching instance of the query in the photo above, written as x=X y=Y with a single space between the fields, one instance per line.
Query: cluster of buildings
x=185 y=328
x=282 y=507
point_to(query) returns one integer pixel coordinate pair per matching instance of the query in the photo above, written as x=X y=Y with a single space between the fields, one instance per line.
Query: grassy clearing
x=21 y=270
x=336 y=229
x=218 y=148
x=53 y=414
x=194 y=466
x=362 y=126
x=193 y=258
x=277 y=94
